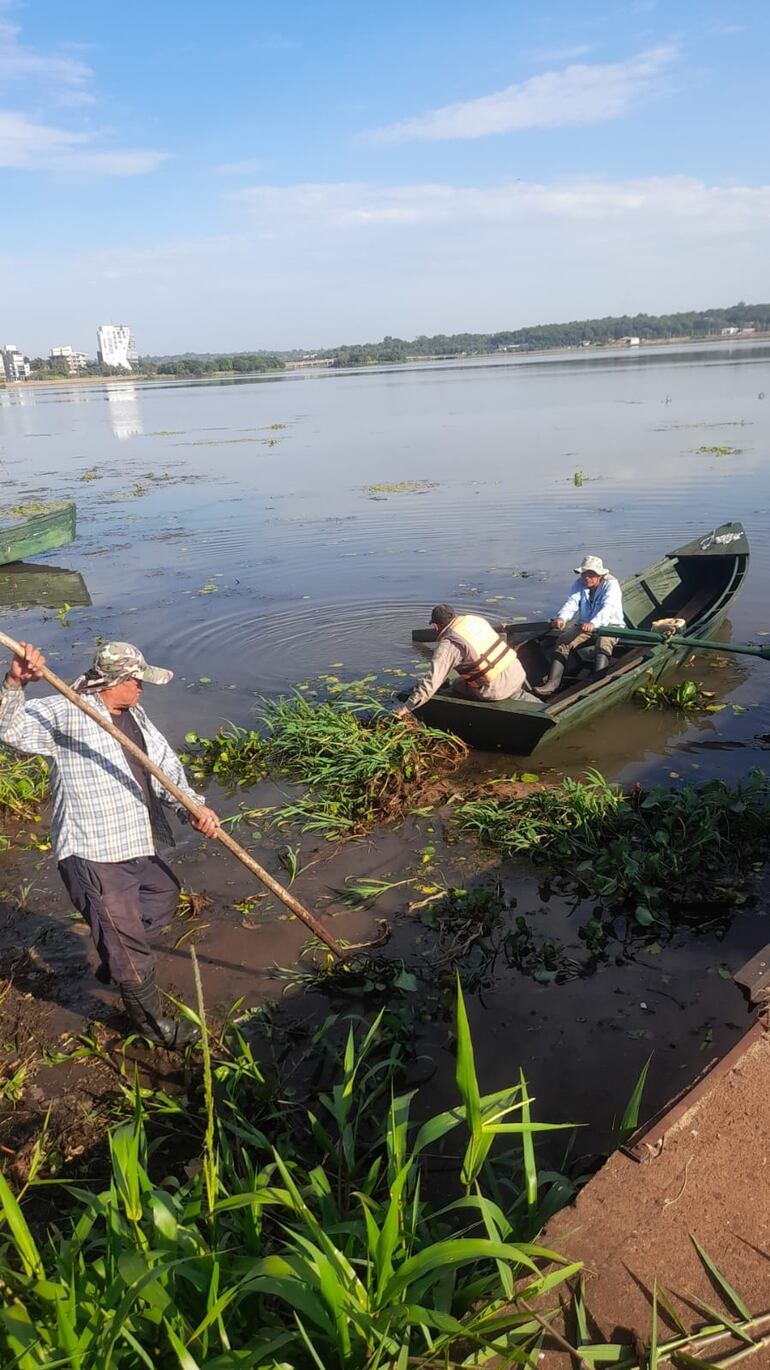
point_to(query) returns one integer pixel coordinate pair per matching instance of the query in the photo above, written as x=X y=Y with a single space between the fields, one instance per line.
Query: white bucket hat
x=592 y=564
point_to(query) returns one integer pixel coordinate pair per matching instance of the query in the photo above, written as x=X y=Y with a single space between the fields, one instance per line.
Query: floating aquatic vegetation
x=360 y=763
x=577 y=479
x=23 y=783
x=235 y=756
x=688 y=697
x=653 y=853
x=402 y=487
x=720 y=451
x=360 y=769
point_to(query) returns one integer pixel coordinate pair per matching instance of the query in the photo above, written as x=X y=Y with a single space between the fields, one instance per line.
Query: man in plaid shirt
x=107 y=818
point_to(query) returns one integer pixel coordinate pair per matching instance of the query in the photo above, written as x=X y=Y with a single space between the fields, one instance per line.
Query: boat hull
x=698 y=581
x=41 y=532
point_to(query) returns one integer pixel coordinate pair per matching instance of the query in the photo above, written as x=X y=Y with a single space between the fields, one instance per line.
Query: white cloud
x=579 y=94
x=34 y=142
x=249 y=167
x=704 y=209
x=64 y=76
x=26 y=144
x=324 y=263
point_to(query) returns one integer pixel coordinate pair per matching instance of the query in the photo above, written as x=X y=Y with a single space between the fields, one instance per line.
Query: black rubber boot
x=142 y=1003
x=601 y=666
x=554 y=679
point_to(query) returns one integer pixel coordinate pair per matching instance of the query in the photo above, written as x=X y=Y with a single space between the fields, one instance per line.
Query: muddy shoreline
x=580 y=1043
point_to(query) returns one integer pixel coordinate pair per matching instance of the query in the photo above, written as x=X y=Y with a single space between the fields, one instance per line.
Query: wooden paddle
x=190 y=805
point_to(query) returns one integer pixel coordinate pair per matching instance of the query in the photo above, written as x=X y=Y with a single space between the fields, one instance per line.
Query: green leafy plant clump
x=235 y=756
x=657 y=853
x=360 y=769
x=23 y=783
x=687 y=697
x=360 y=764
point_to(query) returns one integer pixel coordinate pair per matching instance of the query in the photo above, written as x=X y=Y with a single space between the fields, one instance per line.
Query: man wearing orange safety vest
x=487 y=667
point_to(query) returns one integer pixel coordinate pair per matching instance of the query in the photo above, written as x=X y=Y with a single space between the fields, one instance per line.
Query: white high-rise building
x=114 y=344
x=75 y=360
x=13 y=363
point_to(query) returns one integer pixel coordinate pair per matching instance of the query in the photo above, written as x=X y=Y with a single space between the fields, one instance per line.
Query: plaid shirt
x=97 y=808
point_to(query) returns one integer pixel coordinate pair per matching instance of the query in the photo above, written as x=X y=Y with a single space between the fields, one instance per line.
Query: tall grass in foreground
x=657 y=852
x=261 y=1258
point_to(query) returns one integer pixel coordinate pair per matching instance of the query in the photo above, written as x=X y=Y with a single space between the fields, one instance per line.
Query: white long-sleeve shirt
x=603 y=606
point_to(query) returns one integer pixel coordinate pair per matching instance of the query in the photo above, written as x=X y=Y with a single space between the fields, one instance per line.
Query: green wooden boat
x=26 y=530
x=698 y=582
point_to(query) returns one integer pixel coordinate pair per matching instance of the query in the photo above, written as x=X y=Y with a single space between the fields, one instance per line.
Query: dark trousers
x=125 y=904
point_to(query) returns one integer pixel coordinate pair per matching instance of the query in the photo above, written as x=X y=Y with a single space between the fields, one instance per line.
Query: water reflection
x=125 y=414
x=27 y=585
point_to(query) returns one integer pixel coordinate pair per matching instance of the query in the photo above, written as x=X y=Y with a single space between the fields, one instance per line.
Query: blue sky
x=250 y=175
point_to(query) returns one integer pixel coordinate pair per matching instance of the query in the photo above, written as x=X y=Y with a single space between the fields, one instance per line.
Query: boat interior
x=695 y=588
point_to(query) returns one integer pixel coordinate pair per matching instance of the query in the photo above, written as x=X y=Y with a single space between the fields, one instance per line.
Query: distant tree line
x=237 y=362
x=647 y=327
x=704 y=323
x=191 y=366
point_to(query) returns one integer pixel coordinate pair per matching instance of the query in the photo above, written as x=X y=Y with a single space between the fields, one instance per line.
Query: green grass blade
x=714 y=1313
x=652 y=1363
x=668 y=1304
x=23 y=1240
x=467 y=1081
x=630 y=1120
x=730 y=1295
x=209 y=1149
x=528 y=1147
x=183 y=1358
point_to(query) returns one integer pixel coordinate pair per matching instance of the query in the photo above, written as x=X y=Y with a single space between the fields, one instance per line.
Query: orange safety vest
x=489 y=653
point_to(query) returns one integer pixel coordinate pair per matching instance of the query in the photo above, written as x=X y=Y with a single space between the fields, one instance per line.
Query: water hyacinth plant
x=23 y=783
x=655 y=853
x=687 y=697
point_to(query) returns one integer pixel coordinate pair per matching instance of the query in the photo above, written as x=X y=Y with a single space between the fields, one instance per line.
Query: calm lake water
x=231 y=529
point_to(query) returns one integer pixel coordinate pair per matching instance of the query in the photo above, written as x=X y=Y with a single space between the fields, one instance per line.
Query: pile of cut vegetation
x=361 y=765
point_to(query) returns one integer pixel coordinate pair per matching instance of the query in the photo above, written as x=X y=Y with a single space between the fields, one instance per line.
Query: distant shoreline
x=323 y=364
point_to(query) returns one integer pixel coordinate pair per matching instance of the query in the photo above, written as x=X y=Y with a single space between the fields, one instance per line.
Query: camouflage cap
x=118 y=661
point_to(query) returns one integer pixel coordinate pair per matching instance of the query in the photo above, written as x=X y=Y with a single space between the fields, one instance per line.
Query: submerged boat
x=26 y=530
x=698 y=583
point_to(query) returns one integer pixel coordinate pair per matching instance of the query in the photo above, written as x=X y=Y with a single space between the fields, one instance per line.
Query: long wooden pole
x=189 y=804
x=698 y=644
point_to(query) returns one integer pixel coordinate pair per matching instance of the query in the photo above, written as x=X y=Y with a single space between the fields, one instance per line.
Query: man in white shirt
x=595 y=601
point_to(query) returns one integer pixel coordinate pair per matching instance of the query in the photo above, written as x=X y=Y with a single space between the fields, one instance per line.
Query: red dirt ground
x=634 y=1223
